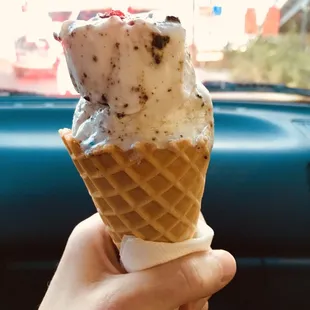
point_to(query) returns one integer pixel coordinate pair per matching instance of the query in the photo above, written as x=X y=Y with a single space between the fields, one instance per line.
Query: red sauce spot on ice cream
x=118 y=13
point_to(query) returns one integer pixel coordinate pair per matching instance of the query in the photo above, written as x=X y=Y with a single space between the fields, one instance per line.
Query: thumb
x=181 y=281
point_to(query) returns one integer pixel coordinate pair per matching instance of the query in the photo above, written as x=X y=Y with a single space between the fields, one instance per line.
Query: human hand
x=90 y=277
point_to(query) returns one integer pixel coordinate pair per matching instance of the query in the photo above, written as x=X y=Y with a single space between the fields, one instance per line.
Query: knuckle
x=88 y=227
x=79 y=232
x=78 y=229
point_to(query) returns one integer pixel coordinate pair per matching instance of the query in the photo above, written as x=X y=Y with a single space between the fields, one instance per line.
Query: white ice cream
x=136 y=82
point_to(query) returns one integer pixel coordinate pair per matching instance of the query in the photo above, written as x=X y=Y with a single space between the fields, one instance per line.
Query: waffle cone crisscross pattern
x=151 y=193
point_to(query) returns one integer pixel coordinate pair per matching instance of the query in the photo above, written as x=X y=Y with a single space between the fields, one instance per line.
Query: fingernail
x=227 y=263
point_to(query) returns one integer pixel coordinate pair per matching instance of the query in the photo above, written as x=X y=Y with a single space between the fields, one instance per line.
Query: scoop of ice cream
x=136 y=81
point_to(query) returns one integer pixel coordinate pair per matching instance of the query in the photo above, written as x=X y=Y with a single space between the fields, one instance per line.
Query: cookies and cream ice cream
x=136 y=82
x=142 y=133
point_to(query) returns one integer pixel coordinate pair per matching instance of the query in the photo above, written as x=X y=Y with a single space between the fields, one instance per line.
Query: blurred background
x=258 y=183
x=244 y=40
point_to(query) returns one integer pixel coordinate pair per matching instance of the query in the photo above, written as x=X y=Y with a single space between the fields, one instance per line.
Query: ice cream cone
x=150 y=193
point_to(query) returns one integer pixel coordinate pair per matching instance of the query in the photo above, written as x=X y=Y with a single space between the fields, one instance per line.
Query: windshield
x=248 y=41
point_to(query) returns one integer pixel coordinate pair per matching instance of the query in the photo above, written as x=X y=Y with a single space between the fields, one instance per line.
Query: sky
x=233 y=12
x=259 y=4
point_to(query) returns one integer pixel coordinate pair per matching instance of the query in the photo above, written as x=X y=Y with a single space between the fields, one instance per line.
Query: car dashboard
x=257 y=199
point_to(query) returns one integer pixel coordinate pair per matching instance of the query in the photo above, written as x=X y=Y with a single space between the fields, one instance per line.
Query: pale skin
x=90 y=277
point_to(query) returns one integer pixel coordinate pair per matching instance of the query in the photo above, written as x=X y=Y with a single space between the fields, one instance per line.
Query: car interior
x=257 y=191
x=256 y=199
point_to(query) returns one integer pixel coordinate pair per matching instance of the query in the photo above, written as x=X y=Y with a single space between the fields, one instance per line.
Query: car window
x=253 y=41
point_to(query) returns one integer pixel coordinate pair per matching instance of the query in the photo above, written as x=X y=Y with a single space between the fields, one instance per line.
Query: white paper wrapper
x=137 y=254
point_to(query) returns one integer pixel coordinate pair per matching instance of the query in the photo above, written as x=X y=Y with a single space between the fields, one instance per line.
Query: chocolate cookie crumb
x=104 y=99
x=172 y=19
x=56 y=37
x=157 y=58
x=169 y=90
x=181 y=64
x=143 y=97
x=160 y=41
x=158 y=44
x=199 y=96
x=120 y=115
x=136 y=48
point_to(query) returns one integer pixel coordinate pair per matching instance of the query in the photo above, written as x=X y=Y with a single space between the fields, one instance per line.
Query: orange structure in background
x=270 y=26
x=250 y=22
x=272 y=22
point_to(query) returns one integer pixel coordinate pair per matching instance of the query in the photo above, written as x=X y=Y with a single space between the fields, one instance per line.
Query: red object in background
x=25 y=7
x=250 y=22
x=133 y=10
x=272 y=22
x=110 y=13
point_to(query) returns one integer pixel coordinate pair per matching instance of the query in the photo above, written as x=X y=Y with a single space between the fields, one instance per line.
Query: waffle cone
x=150 y=193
